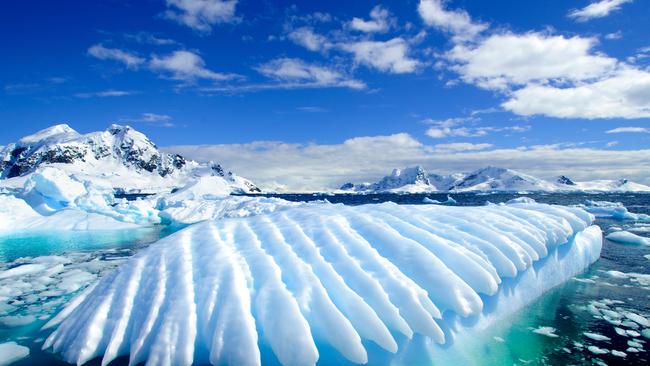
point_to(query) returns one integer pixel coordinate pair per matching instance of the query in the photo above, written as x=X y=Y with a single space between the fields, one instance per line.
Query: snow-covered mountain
x=120 y=155
x=416 y=179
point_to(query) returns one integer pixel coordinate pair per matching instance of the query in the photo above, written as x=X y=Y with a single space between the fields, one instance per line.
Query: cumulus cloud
x=626 y=94
x=201 y=15
x=597 y=9
x=388 y=56
x=380 y=21
x=306 y=37
x=363 y=159
x=130 y=60
x=629 y=130
x=185 y=66
x=295 y=73
x=502 y=60
x=456 y=22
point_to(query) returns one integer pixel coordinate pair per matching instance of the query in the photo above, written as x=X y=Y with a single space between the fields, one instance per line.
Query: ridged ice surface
x=294 y=285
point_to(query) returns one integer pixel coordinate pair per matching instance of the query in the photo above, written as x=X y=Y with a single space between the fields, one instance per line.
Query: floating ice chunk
x=449 y=201
x=641 y=320
x=523 y=199
x=597 y=350
x=11 y=352
x=646 y=333
x=634 y=344
x=596 y=336
x=626 y=237
x=33 y=288
x=632 y=333
x=613 y=210
x=630 y=324
x=292 y=283
x=619 y=353
x=16 y=321
x=547 y=331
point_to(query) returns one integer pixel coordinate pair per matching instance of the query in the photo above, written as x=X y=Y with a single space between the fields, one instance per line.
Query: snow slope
x=332 y=283
x=417 y=180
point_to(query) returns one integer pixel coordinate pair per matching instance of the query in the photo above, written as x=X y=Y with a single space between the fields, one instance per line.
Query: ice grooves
x=292 y=281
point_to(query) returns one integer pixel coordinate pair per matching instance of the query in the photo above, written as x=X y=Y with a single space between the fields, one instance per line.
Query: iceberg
x=208 y=198
x=379 y=284
x=449 y=201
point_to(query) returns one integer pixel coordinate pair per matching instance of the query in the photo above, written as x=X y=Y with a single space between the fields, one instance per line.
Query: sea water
x=551 y=330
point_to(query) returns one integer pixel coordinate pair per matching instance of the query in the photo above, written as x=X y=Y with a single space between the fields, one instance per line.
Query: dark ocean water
x=618 y=283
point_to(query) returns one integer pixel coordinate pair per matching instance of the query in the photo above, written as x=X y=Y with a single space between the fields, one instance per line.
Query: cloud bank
x=312 y=167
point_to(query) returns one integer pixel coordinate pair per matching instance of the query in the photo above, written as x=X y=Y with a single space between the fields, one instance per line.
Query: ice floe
x=11 y=352
x=626 y=237
x=326 y=280
x=33 y=289
x=596 y=336
x=612 y=210
x=547 y=331
x=449 y=201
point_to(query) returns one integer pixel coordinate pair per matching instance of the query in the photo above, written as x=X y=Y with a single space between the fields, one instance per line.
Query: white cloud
x=457 y=22
x=452 y=127
x=295 y=73
x=305 y=36
x=597 y=9
x=149 y=38
x=185 y=66
x=390 y=56
x=625 y=94
x=363 y=159
x=442 y=132
x=614 y=35
x=505 y=59
x=312 y=109
x=201 y=15
x=380 y=21
x=105 y=93
x=629 y=130
x=461 y=146
x=131 y=60
x=162 y=120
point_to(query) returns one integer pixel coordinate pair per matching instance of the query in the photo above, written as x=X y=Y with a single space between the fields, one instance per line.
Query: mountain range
x=417 y=180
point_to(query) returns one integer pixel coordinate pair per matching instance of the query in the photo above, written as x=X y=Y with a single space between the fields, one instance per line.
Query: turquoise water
x=34 y=244
x=565 y=308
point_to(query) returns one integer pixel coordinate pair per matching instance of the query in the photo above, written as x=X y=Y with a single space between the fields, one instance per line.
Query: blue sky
x=260 y=85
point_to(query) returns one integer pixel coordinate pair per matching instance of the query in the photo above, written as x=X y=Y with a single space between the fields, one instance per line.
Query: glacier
x=378 y=284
